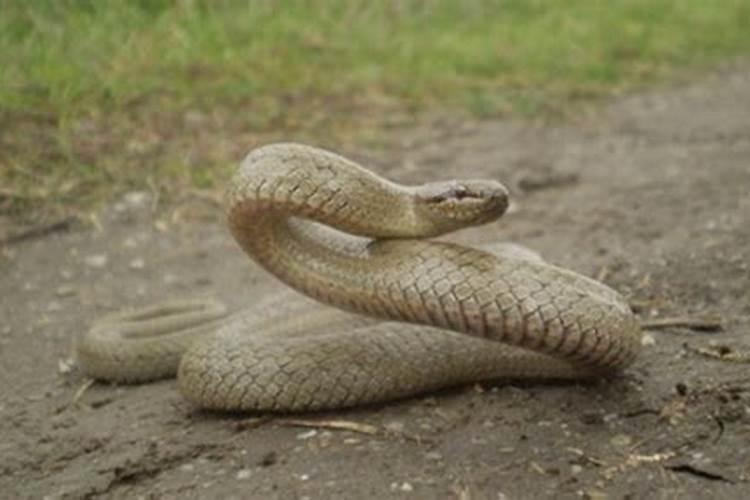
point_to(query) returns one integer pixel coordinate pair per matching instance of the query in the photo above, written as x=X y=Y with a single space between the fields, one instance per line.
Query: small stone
x=576 y=469
x=136 y=199
x=54 y=306
x=96 y=261
x=65 y=366
x=406 y=487
x=187 y=467
x=130 y=242
x=610 y=417
x=137 y=264
x=307 y=435
x=433 y=455
x=66 y=274
x=244 y=473
x=304 y=477
x=647 y=340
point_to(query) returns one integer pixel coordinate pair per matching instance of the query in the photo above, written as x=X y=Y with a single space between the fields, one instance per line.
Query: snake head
x=450 y=205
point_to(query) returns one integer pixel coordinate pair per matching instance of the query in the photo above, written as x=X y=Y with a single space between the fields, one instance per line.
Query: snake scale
x=413 y=314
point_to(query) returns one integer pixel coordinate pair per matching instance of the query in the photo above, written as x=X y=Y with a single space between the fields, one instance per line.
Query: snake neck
x=304 y=217
x=316 y=260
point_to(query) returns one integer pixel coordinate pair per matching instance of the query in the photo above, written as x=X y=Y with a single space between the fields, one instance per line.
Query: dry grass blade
x=81 y=391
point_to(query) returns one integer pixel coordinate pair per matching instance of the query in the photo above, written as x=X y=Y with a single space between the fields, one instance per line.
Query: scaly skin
x=467 y=314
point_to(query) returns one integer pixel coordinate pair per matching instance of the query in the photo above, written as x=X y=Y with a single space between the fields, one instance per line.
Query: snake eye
x=450 y=192
x=460 y=192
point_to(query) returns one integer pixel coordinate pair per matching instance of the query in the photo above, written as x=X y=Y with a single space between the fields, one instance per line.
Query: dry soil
x=650 y=194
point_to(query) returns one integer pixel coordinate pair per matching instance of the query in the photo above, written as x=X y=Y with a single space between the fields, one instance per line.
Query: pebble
x=405 y=487
x=433 y=455
x=576 y=469
x=136 y=199
x=647 y=340
x=96 y=261
x=244 y=473
x=137 y=264
x=308 y=434
x=65 y=366
x=187 y=467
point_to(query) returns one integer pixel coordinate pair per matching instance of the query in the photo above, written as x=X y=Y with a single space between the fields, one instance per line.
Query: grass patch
x=97 y=97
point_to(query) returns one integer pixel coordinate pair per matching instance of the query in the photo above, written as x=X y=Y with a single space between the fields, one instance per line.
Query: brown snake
x=346 y=237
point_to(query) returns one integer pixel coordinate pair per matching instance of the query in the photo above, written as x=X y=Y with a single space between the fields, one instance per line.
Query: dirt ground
x=650 y=194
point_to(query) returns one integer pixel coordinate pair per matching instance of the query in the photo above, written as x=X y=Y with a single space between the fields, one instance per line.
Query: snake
x=410 y=313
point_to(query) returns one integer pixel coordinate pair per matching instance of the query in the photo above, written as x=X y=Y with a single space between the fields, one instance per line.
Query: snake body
x=414 y=314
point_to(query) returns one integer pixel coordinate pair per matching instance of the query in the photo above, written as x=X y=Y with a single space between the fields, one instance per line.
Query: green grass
x=102 y=96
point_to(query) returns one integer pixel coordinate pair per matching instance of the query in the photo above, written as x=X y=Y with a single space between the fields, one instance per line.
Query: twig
x=40 y=230
x=81 y=390
x=705 y=324
x=337 y=425
x=347 y=425
x=252 y=423
x=723 y=353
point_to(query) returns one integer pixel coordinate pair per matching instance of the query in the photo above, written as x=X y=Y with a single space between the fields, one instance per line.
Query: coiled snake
x=431 y=314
